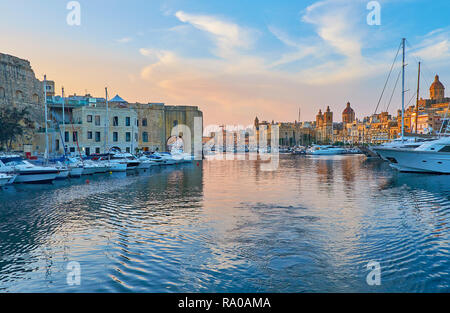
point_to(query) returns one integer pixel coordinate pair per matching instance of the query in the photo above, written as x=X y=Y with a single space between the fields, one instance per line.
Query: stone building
x=159 y=122
x=20 y=88
x=348 y=116
x=324 y=126
x=86 y=132
x=290 y=133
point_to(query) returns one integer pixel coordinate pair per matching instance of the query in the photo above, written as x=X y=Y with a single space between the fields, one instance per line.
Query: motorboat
x=6 y=179
x=429 y=157
x=146 y=163
x=168 y=158
x=130 y=160
x=324 y=150
x=181 y=157
x=399 y=143
x=28 y=172
x=156 y=158
x=63 y=171
x=75 y=167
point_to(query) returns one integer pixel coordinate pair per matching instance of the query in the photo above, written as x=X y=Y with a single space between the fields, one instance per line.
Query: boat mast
x=63 y=120
x=403 y=90
x=106 y=122
x=417 y=102
x=46 y=120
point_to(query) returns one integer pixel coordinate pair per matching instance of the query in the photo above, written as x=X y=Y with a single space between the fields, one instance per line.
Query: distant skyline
x=234 y=59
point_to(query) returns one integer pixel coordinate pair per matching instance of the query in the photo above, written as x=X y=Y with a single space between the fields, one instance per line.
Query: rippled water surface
x=227 y=226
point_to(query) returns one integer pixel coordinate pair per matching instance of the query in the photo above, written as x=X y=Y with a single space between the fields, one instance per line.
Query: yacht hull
x=416 y=161
x=63 y=174
x=118 y=167
x=36 y=177
x=76 y=172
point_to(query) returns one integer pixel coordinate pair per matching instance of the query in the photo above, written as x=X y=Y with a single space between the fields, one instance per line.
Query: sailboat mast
x=417 y=102
x=46 y=119
x=403 y=90
x=106 y=121
x=63 y=117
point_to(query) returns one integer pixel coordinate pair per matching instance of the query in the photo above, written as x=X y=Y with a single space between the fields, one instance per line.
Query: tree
x=13 y=123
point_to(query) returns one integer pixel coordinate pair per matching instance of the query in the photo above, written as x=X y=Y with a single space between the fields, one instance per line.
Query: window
x=88 y=151
x=115 y=136
x=145 y=137
x=175 y=123
x=19 y=95
x=127 y=137
x=2 y=92
x=35 y=99
x=89 y=135
x=66 y=137
x=445 y=149
x=144 y=122
x=89 y=118
x=97 y=120
x=128 y=150
x=97 y=150
x=136 y=136
x=115 y=121
x=57 y=144
x=127 y=121
x=74 y=136
x=72 y=149
x=97 y=137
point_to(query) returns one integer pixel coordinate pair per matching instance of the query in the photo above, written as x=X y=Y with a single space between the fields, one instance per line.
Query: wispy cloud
x=124 y=40
x=227 y=35
x=434 y=47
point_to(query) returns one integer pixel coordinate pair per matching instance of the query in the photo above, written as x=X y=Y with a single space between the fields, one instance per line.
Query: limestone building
x=20 y=88
x=324 y=126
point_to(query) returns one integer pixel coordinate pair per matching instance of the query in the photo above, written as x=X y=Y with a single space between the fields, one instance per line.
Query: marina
x=226 y=226
x=225 y=156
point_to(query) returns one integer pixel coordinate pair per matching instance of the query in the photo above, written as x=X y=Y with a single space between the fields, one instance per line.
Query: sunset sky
x=233 y=59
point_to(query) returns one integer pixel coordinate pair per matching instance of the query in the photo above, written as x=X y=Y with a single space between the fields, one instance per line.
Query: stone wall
x=20 y=88
x=160 y=122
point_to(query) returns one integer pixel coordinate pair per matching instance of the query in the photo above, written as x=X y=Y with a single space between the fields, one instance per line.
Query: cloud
x=124 y=40
x=227 y=36
x=435 y=46
x=244 y=82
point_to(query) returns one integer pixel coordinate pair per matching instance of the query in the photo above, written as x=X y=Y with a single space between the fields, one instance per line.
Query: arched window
x=19 y=95
x=35 y=99
x=2 y=92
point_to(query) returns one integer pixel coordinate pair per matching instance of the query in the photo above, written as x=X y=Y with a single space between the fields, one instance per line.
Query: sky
x=234 y=59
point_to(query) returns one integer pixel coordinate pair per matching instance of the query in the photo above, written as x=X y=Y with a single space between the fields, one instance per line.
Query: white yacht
x=125 y=158
x=325 y=150
x=63 y=170
x=28 y=172
x=146 y=163
x=430 y=157
x=6 y=179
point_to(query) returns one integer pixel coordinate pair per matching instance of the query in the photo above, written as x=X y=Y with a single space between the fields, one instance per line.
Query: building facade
x=20 y=88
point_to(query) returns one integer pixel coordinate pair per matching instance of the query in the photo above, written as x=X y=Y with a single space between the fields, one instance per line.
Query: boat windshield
x=12 y=160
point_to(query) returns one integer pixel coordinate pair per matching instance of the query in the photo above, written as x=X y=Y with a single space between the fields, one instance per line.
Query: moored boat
x=28 y=172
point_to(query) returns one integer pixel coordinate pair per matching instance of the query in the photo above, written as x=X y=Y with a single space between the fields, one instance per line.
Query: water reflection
x=227 y=226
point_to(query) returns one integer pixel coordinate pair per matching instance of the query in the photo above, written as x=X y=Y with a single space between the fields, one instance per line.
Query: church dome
x=348 y=109
x=437 y=84
x=437 y=89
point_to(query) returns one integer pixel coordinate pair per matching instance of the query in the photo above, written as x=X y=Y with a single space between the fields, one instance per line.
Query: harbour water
x=313 y=225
